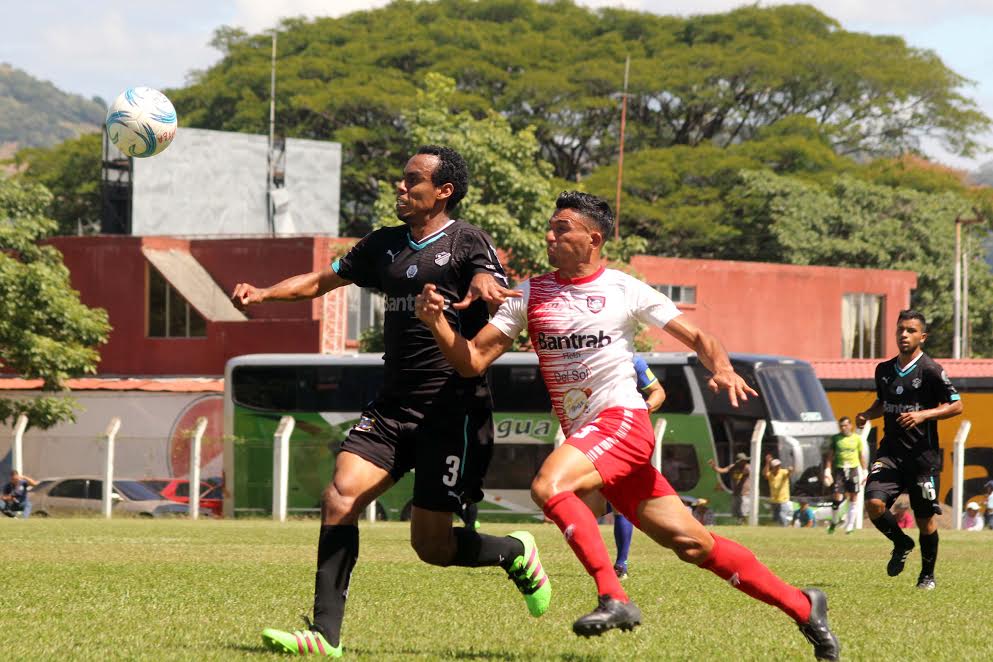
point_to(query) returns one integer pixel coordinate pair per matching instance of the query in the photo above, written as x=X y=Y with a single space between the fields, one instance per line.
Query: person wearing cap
x=988 y=487
x=972 y=521
x=703 y=513
x=740 y=470
x=779 y=490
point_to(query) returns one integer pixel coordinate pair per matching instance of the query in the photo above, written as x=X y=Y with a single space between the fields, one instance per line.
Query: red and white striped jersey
x=583 y=332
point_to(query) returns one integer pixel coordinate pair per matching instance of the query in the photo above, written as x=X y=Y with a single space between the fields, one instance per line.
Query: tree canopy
x=712 y=79
x=45 y=331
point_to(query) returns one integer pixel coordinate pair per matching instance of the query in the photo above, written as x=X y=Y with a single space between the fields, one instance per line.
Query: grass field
x=79 y=589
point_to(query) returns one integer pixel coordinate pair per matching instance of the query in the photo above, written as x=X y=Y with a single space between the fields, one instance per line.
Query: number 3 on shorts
x=927 y=490
x=452 y=476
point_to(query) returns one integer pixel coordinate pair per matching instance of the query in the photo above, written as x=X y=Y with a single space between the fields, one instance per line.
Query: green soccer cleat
x=526 y=572
x=299 y=642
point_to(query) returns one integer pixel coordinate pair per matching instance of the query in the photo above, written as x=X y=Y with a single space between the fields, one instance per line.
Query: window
x=862 y=326
x=678 y=293
x=306 y=387
x=680 y=466
x=365 y=310
x=519 y=388
x=678 y=398
x=70 y=489
x=169 y=314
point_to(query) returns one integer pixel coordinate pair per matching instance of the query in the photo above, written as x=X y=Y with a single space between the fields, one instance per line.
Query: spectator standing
x=779 y=490
x=740 y=471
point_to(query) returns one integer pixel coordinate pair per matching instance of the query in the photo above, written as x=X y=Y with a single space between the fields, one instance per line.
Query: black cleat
x=816 y=630
x=609 y=614
x=925 y=582
x=898 y=558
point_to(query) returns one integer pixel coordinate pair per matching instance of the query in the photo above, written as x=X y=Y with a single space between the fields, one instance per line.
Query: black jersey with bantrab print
x=921 y=384
x=390 y=261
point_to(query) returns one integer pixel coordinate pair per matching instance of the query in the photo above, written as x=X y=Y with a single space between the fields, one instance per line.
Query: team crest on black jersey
x=916 y=383
x=595 y=303
x=441 y=259
x=411 y=271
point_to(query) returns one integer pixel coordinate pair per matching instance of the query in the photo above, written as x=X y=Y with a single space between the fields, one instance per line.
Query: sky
x=115 y=44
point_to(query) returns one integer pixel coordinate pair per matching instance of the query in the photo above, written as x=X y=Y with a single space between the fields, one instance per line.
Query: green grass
x=176 y=590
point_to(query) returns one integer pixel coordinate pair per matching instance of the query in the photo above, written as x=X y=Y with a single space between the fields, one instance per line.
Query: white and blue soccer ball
x=141 y=122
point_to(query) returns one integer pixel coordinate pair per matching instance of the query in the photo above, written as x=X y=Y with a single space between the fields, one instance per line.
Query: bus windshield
x=793 y=394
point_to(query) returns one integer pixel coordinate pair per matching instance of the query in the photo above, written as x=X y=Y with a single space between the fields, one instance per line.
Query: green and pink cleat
x=526 y=572
x=299 y=642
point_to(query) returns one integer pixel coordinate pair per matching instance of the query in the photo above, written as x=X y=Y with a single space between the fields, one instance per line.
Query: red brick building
x=168 y=302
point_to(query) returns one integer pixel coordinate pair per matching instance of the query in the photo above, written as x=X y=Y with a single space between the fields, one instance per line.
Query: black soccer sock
x=886 y=523
x=835 y=505
x=337 y=552
x=469 y=514
x=476 y=550
x=929 y=552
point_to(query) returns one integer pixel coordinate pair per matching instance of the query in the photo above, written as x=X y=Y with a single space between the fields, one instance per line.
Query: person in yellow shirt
x=779 y=490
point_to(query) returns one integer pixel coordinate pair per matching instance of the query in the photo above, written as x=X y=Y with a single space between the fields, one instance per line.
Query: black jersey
x=922 y=384
x=390 y=261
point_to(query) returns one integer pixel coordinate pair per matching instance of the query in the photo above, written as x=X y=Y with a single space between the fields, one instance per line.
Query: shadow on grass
x=462 y=654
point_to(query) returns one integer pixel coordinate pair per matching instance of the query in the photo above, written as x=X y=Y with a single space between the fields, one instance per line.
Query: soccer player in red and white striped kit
x=581 y=320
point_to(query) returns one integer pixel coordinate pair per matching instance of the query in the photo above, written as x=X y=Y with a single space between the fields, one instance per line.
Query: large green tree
x=852 y=223
x=716 y=79
x=45 y=331
x=70 y=170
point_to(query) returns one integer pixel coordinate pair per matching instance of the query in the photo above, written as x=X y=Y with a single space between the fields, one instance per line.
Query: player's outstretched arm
x=714 y=358
x=294 y=288
x=485 y=286
x=469 y=357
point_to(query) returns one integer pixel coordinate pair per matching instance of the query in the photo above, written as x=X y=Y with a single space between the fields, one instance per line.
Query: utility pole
x=270 y=212
x=620 y=157
x=957 y=325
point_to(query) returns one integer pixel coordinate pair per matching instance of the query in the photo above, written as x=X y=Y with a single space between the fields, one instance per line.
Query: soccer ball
x=141 y=122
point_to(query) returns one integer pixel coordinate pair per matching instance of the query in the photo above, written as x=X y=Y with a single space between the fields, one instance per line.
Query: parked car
x=178 y=490
x=84 y=494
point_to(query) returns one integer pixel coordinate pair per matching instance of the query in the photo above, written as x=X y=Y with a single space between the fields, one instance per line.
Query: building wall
x=751 y=307
x=775 y=308
x=111 y=273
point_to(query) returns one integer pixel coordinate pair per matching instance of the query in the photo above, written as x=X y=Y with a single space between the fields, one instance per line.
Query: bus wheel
x=380 y=513
x=405 y=512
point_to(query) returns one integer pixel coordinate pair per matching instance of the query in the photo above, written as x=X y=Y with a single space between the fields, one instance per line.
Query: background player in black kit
x=427 y=417
x=912 y=394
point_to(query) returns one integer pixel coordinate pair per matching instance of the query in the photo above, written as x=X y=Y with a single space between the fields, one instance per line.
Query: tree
x=510 y=188
x=45 y=331
x=852 y=223
x=705 y=80
x=71 y=171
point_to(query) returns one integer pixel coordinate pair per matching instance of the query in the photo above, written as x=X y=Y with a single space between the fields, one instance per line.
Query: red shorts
x=619 y=443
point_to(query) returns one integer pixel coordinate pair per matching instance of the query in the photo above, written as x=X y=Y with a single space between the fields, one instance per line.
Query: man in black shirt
x=912 y=394
x=427 y=418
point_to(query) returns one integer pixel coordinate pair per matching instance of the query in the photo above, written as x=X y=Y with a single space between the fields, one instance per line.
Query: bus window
x=306 y=388
x=680 y=466
x=518 y=388
x=678 y=399
x=514 y=466
x=720 y=403
x=793 y=393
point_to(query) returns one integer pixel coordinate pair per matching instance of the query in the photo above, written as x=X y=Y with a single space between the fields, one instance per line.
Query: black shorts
x=890 y=475
x=447 y=445
x=845 y=480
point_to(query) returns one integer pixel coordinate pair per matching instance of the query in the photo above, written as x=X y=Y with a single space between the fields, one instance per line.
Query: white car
x=84 y=494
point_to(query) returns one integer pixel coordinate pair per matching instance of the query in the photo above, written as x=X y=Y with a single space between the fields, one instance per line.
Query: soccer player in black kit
x=912 y=394
x=427 y=418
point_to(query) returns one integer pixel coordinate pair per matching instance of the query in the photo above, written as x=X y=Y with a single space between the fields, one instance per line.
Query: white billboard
x=210 y=183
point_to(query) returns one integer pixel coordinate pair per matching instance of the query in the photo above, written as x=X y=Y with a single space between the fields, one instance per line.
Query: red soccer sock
x=739 y=567
x=579 y=525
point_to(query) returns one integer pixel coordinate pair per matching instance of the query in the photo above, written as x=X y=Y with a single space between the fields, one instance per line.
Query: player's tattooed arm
x=485 y=286
x=714 y=357
x=294 y=288
x=469 y=357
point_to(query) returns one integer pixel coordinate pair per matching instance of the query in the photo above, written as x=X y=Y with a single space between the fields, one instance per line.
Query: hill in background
x=35 y=113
